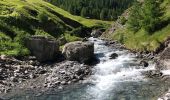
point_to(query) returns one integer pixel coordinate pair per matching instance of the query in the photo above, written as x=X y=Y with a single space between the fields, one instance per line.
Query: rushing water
x=113 y=79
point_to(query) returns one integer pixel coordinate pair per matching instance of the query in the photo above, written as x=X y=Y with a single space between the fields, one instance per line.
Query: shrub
x=13 y=47
x=42 y=17
x=122 y=20
x=21 y=37
x=71 y=38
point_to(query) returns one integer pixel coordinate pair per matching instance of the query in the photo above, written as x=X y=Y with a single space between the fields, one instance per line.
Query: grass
x=20 y=18
x=141 y=40
x=70 y=38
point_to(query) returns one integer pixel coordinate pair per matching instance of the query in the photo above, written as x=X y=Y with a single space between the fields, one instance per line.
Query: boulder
x=43 y=48
x=113 y=56
x=96 y=33
x=79 y=51
x=85 y=39
x=144 y=63
x=165 y=54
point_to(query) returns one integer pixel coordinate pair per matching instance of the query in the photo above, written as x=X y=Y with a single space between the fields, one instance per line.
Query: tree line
x=94 y=9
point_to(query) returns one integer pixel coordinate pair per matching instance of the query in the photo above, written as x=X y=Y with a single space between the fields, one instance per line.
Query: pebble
x=16 y=71
x=68 y=72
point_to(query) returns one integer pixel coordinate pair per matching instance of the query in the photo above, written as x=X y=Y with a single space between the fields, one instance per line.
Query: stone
x=3 y=57
x=144 y=63
x=85 y=39
x=165 y=54
x=96 y=33
x=79 y=51
x=63 y=83
x=153 y=74
x=67 y=72
x=113 y=56
x=13 y=79
x=62 y=41
x=31 y=76
x=79 y=72
x=43 y=48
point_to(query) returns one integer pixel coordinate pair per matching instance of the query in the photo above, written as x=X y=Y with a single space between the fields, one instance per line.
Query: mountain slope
x=22 y=18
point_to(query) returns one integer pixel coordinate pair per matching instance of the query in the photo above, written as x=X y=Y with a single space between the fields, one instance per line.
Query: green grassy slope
x=141 y=40
x=22 y=18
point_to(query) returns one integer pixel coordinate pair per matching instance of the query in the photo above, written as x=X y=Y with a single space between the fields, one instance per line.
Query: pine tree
x=84 y=12
x=135 y=17
x=151 y=14
x=146 y=16
x=103 y=14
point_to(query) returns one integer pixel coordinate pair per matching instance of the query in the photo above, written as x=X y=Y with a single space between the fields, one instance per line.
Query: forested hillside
x=144 y=26
x=95 y=9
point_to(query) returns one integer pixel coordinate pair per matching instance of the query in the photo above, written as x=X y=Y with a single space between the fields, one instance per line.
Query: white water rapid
x=109 y=72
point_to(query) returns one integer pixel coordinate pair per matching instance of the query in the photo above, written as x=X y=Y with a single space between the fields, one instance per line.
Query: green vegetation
x=9 y=47
x=147 y=17
x=147 y=26
x=20 y=19
x=70 y=38
x=94 y=9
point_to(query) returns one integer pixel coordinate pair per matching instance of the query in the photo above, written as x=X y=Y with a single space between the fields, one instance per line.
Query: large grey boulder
x=42 y=47
x=79 y=51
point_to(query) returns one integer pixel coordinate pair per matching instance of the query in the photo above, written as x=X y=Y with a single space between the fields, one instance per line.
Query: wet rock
x=108 y=43
x=42 y=71
x=79 y=51
x=85 y=39
x=153 y=74
x=42 y=47
x=144 y=63
x=113 y=56
x=96 y=33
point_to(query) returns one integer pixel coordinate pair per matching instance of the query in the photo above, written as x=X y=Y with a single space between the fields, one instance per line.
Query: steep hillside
x=141 y=40
x=22 y=18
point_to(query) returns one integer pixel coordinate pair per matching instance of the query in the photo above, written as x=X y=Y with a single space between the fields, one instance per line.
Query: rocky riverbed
x=29 y=73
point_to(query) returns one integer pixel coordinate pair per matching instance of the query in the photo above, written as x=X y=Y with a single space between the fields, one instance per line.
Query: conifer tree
x=135 y=17
x=151 y=14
